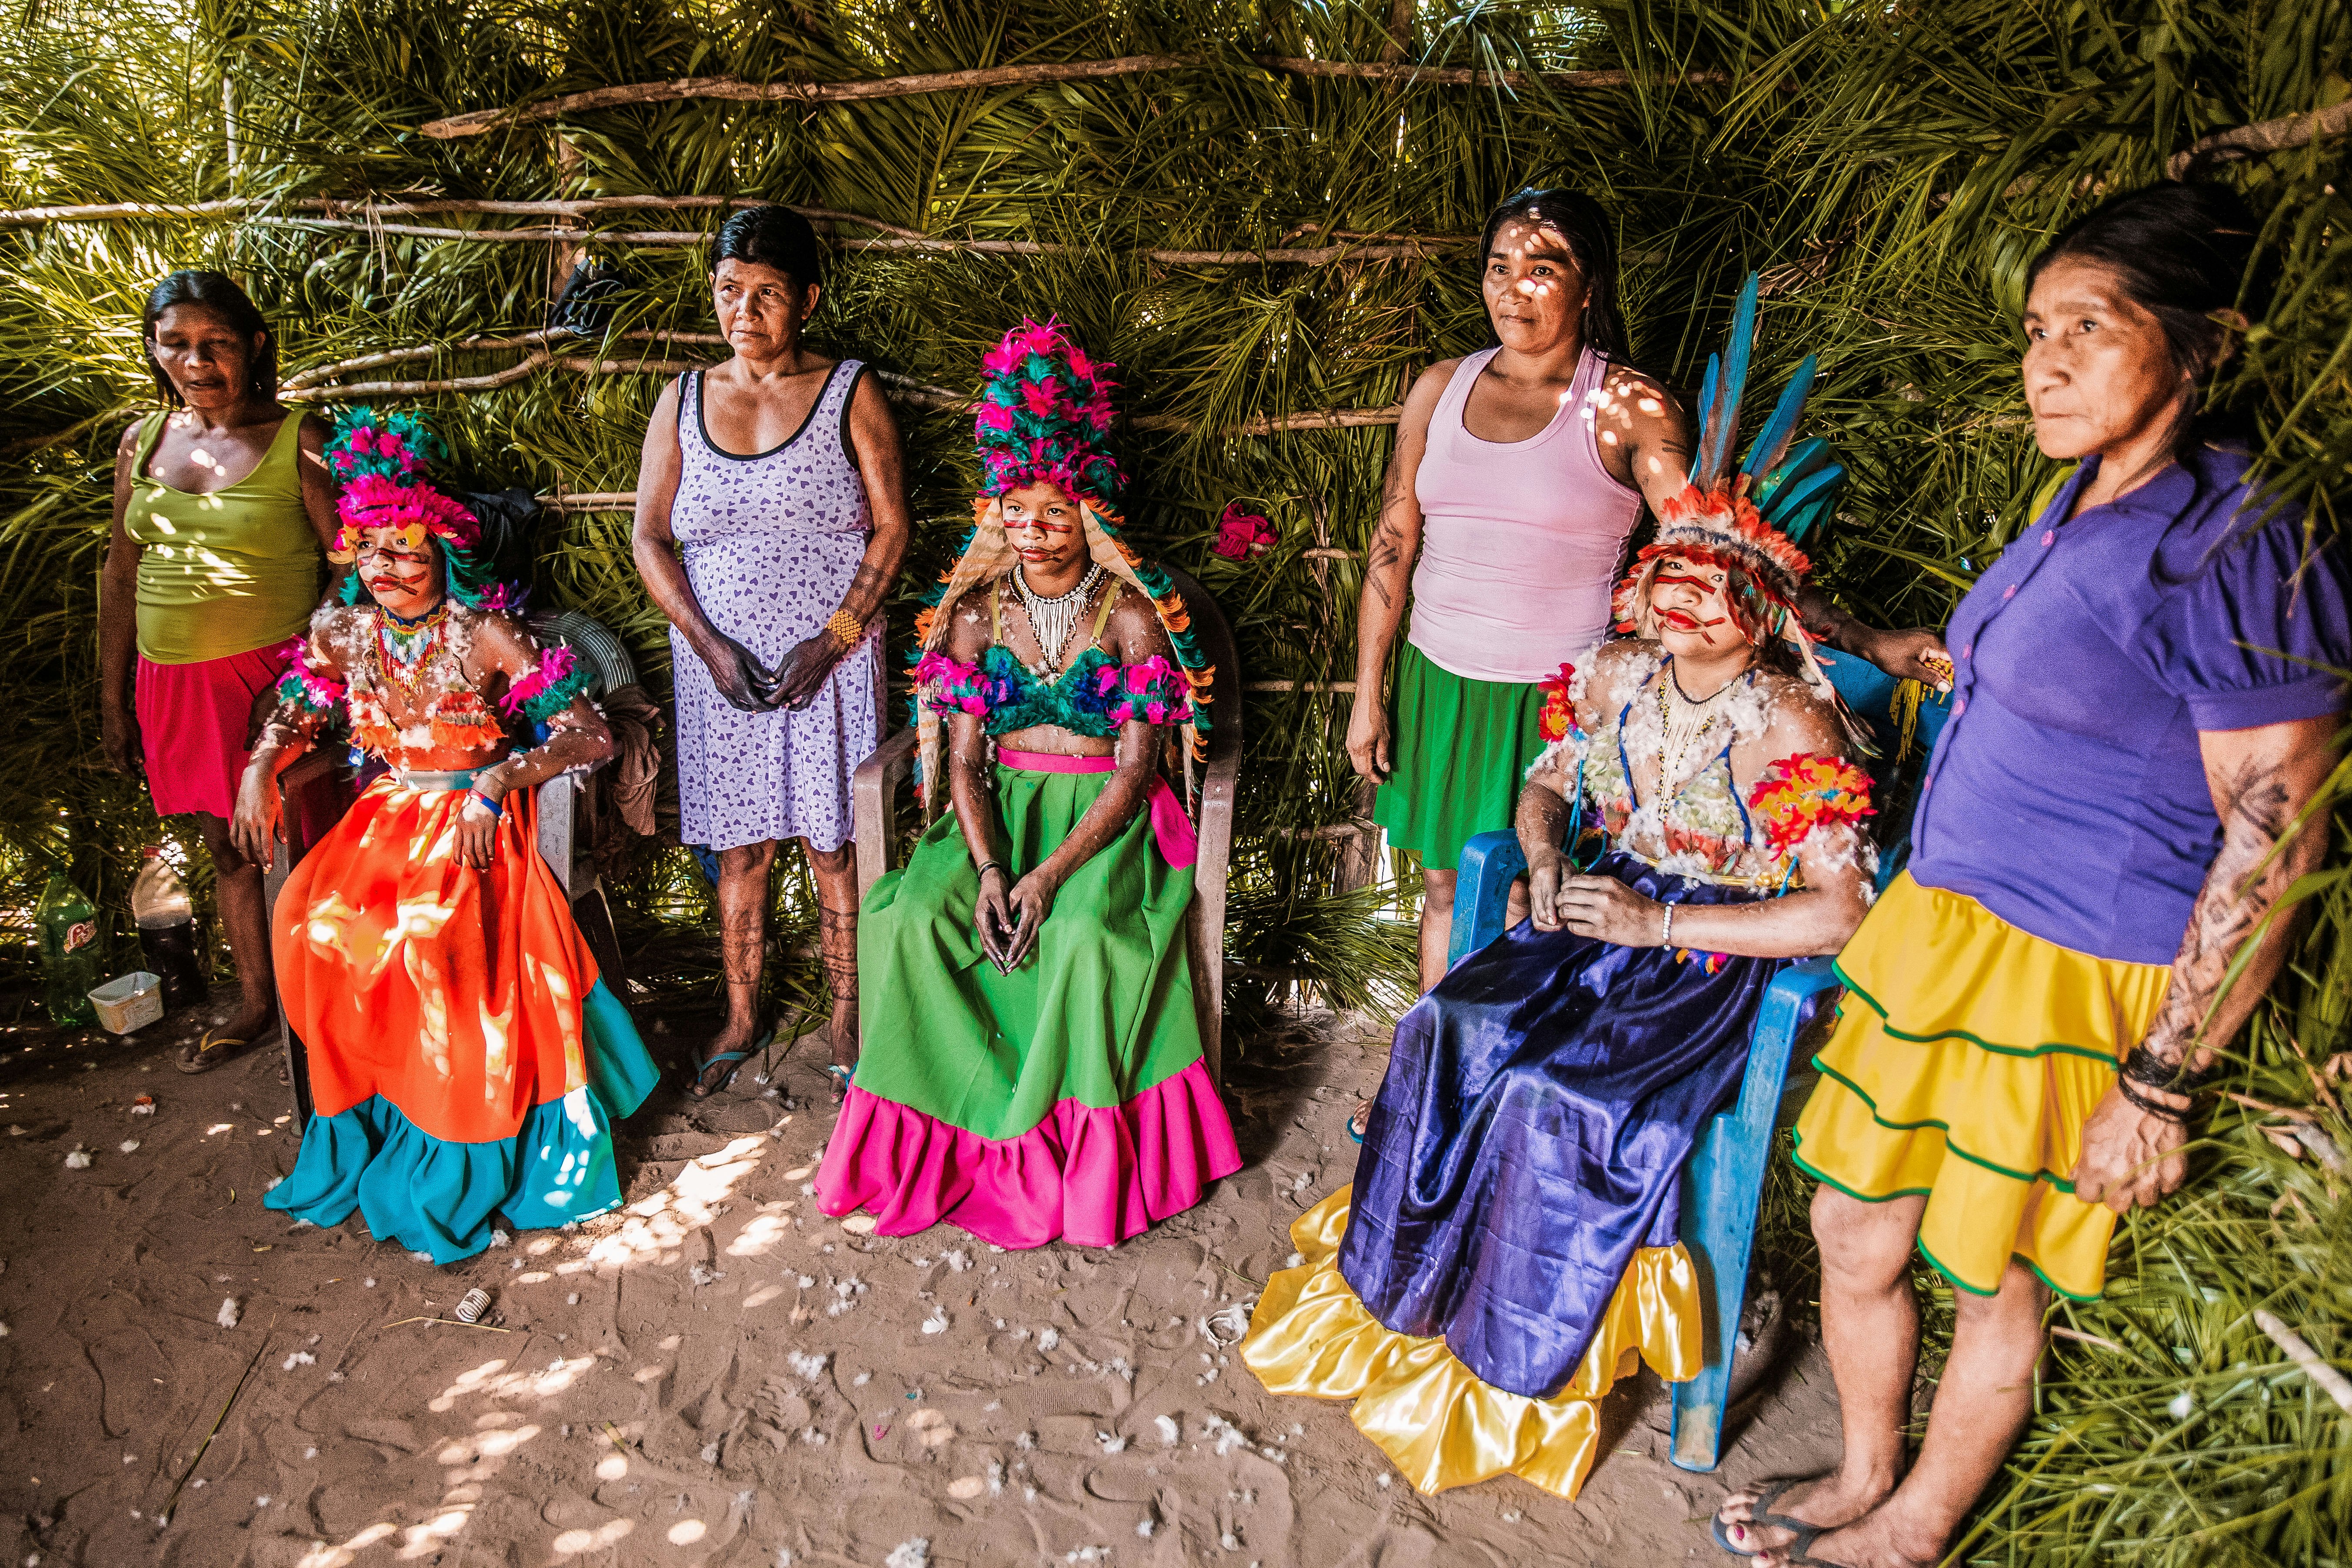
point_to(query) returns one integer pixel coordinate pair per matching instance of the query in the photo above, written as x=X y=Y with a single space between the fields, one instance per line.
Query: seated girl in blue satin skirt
x=1510 y=1243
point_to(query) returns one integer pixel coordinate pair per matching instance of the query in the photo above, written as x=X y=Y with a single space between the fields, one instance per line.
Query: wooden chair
x=316 y=790
x=1724 y=1180
x=875 y=786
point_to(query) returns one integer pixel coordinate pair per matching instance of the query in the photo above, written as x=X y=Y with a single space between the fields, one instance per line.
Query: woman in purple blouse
x=2107 y=820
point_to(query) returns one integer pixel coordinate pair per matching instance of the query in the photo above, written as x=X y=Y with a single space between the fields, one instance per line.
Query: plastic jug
x=67 y=923
x=161 y=909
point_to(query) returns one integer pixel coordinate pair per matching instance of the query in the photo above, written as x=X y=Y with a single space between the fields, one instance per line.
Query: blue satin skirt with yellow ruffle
x=1510 y=1247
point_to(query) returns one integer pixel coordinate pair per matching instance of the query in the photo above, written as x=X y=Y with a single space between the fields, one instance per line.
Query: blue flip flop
x=703 y=1068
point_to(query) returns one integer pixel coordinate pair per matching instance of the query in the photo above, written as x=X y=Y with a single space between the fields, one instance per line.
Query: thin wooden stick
x=368 y=208
x=1305 y=256
x=2334 y=1383
x=164 y=1515
x=2064 y=1333
x=737 y=90
x=1461 y=76
x=495 y=379
x=322 y=213
x=2267 y=136
x=453 y=1322
x=313 y=386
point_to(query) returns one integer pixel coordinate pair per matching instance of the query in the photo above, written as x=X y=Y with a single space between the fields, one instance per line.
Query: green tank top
x=227 y=573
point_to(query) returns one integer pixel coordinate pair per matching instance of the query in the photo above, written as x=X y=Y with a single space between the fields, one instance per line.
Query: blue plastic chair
x=1723 y=1180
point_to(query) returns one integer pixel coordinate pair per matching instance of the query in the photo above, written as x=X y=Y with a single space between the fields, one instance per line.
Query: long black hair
x=219 y=293
x=1591 y=238
x=2184 y=253
x=772 y=236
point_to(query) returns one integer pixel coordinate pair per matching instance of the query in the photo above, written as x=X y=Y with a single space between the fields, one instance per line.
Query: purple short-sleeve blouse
x=2067 y=792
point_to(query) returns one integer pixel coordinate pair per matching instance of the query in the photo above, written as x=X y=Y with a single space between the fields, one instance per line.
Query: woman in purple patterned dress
x=772 y=519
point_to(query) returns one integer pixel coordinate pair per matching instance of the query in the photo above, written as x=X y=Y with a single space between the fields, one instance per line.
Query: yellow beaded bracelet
x=846 y=629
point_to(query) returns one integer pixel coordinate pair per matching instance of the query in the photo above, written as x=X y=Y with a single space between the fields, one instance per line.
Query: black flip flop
x=1798 y=1553
x=1762 y=1515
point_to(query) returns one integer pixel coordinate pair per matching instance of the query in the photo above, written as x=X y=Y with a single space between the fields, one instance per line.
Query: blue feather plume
x=1720 y=424
x=1773 y=444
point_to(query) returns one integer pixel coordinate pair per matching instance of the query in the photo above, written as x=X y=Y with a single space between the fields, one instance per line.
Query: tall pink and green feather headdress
x=1045 y=417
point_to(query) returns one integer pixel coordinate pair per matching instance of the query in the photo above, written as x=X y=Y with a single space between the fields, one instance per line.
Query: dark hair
x=1591 y=239
x=772 y=236
x=217 y=292
x=2182 y=253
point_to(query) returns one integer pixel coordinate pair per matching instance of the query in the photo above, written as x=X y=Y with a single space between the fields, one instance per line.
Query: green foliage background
x=1890 y=168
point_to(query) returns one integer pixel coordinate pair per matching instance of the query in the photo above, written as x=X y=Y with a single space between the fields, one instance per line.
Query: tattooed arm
x=1388 y=572
x=1915 y=653
x=1644 y=437
x=2262 y=779
x=881 y=459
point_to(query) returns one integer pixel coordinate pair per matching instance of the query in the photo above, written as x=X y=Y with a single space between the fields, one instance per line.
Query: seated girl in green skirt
x=1032 y=1067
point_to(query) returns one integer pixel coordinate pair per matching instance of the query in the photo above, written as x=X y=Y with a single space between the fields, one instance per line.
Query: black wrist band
x=2145 y=1066
x=2155 y=1108
x=988 y=866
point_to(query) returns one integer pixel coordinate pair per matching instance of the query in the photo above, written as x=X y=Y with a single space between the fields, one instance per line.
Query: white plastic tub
x=129 y=1001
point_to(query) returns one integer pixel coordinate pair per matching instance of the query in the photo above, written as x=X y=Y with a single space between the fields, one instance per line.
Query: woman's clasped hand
x=1601 y=908
x=1010 y=914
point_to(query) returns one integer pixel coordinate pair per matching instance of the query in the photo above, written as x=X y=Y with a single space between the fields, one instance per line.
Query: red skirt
x=193 y=720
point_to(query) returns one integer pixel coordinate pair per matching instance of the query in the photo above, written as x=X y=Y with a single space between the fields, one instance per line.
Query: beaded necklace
x=1053 y=620
x=403 y=649
x=1684 y=726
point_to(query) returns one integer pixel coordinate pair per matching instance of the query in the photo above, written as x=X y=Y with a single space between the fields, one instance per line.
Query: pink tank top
x=1521 y=540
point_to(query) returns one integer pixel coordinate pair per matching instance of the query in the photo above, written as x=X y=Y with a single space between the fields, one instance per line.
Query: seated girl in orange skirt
x=465 y=1059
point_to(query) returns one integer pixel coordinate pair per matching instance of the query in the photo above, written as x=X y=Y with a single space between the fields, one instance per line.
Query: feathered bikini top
x=417 y=662
x=1093 y=696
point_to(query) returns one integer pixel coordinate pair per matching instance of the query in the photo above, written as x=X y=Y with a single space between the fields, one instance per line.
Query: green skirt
x=1101 y=1010
x=1067 y=1101
x=1461 y=749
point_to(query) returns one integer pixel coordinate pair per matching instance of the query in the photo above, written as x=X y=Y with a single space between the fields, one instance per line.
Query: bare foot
x=1822 y=1502
x=1879 y=1539
x=711 y=1074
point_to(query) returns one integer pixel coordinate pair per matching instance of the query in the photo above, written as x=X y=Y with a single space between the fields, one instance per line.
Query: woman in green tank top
x=222 y=511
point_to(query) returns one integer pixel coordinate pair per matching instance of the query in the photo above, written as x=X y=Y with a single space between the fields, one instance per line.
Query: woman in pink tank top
x=1519 y=474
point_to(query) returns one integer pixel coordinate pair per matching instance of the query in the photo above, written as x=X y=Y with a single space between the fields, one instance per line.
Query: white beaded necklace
x=1682 y=727
x=1053 y=620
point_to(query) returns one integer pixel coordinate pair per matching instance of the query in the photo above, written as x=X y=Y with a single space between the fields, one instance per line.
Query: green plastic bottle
x=67 y=924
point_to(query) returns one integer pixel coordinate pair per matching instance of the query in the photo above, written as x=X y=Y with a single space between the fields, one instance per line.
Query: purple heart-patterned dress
x=771 y=544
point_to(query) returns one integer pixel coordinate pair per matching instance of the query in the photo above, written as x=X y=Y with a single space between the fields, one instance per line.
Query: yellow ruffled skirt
x=1966 y=1057
x=1427 y=1412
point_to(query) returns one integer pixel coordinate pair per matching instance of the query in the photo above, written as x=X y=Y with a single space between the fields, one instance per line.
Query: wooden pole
x=735 y=89
x=2268 y=136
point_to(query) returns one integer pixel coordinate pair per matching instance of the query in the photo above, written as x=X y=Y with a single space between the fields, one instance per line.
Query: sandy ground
x=717 y=1374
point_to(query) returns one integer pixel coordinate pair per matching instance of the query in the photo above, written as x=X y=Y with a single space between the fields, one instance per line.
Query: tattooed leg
x=742 y=942
x=837 y=890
